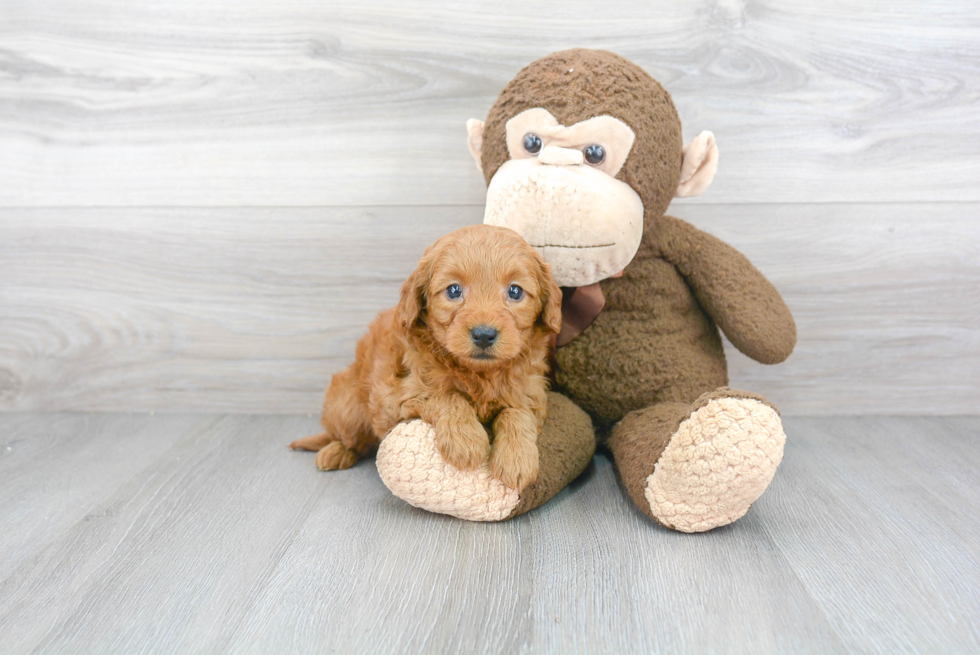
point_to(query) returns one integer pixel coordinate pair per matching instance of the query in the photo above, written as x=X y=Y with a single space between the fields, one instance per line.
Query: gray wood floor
x=203 y=533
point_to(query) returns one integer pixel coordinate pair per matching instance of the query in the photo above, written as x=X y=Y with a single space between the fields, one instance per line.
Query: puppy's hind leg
x=335 y=456
x=317 y=441
x=346 y=433
x=331 y=454
x=314 y=442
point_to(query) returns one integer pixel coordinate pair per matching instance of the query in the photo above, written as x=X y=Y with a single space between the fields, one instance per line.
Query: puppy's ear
x=413 y=294
x=550 y=299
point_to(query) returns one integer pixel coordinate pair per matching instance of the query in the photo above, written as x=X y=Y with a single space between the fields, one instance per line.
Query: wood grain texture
x=881 y=526
x=227 y=542
x=52 y=472
x=252 y=310
x=254 y=103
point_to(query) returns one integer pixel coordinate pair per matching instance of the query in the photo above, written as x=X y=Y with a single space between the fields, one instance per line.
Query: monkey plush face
x=579 y=150
x=559 y=190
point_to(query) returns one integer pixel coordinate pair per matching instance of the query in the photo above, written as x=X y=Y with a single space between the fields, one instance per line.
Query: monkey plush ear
x=474 y=138
x=699 y=166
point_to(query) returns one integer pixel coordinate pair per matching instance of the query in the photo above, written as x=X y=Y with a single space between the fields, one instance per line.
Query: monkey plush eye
x=594 y=154
x=532 y=143
x=515 y=292
x=454 y=291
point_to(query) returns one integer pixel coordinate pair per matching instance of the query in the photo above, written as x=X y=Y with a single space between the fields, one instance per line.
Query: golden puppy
x=466 y=346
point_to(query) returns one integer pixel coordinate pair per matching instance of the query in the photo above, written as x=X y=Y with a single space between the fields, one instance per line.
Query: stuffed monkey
x=582 y=154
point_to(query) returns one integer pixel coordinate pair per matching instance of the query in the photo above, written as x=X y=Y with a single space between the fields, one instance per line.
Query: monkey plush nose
x=556 y=156
x=483 y=336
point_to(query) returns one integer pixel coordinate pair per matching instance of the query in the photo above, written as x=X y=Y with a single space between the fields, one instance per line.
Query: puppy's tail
x=314 y=443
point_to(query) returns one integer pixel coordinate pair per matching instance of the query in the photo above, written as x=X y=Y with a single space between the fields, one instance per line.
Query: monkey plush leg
x=699 y=466
x=411 y=467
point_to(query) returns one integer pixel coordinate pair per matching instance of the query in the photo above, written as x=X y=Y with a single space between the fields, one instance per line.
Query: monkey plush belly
x=652 y=343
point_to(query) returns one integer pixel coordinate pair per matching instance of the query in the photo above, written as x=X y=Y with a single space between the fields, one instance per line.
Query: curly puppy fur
x=422 y=359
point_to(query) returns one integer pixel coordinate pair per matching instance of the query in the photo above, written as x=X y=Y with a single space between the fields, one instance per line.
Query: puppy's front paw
x=515 y=463
x=464 y=445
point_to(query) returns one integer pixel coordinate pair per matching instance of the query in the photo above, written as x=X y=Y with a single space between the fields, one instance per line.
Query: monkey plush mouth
x=557 y=245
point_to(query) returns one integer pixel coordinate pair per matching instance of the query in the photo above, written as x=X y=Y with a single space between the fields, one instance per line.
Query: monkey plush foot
x=410 y=465
x=697 y=467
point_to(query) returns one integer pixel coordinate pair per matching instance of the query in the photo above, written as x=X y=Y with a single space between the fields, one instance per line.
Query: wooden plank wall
x=203 y=203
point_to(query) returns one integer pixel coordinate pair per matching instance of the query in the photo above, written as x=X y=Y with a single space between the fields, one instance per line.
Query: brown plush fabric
x=731 y=290
x=638 y=441
x=654 y=342
x=579 y=307
x=576 y=85
x=565 y=448
x=725 y=392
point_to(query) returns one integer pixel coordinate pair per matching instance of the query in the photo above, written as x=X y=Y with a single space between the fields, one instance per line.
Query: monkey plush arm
x=744 y=304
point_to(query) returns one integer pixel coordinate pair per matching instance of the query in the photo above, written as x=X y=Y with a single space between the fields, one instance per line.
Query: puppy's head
x=483 y=294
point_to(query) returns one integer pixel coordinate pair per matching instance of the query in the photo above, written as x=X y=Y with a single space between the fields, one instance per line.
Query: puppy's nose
x=483 y=336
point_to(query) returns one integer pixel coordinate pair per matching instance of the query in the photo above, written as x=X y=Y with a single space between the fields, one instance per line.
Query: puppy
x=466 y=347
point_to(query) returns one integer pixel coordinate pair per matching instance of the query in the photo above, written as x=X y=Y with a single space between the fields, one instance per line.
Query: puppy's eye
x=594 y=154
x=532 y=143
x=515 y=292
x=454 y=291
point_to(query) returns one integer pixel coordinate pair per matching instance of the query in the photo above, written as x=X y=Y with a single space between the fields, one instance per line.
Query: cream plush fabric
x=718 y=463
x=411 y=467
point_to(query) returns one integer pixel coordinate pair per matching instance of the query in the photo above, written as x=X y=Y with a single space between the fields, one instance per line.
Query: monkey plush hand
x=582 y=154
